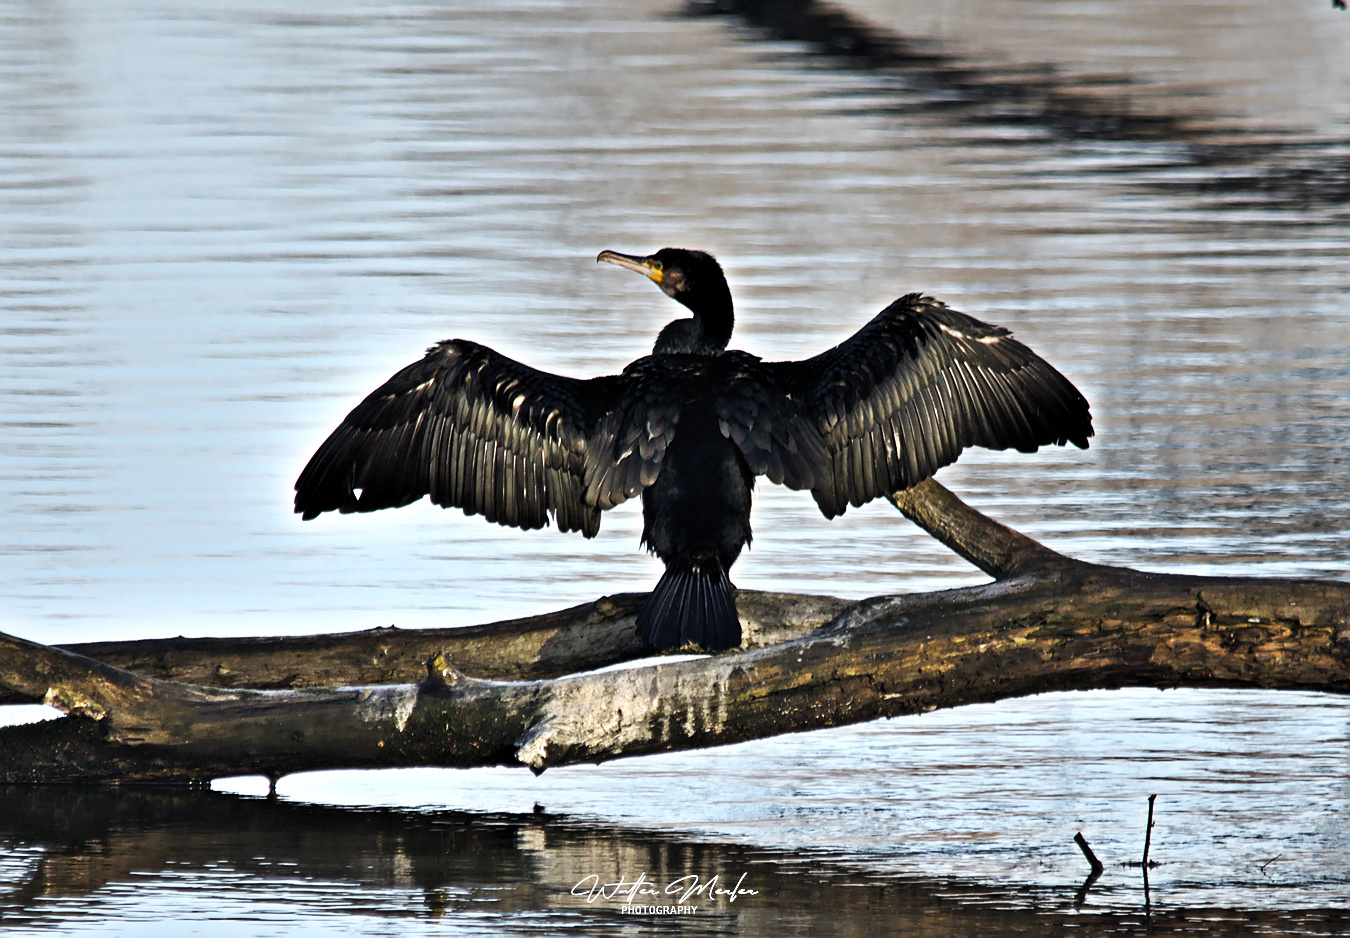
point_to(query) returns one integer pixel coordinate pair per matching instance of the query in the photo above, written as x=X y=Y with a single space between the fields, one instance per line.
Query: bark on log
x=592 y=635
x=1047 y=623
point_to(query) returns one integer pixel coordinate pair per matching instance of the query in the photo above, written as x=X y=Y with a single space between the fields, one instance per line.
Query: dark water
x=223 y=223
x=148 y=862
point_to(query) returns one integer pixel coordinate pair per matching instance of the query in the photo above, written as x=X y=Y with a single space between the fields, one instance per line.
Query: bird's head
x=692 y=277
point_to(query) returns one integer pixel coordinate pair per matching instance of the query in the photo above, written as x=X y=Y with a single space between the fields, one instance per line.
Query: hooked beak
x=643 y=265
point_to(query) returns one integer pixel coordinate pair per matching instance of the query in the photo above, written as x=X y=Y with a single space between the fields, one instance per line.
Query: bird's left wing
x=474 y=430
x=909 y=391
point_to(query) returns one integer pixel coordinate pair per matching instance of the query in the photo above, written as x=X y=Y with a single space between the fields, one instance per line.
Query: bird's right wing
x=478 y=431
x=909 y=391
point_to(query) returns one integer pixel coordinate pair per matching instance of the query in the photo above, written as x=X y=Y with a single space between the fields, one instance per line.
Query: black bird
x=690 y=427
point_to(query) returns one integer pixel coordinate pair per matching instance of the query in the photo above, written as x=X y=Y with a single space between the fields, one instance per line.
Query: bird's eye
x=657 y=265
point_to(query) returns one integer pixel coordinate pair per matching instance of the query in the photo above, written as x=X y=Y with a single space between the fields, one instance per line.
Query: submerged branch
x=1048 y=623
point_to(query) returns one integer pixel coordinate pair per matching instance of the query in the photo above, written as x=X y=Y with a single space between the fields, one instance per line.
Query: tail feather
x=691 y=605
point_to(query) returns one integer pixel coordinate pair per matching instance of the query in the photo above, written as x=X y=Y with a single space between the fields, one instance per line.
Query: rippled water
x=957 y=822
x=224 y=223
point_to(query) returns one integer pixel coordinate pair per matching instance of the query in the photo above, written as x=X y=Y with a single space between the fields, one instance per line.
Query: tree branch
x=996 y=549
x=592 y=635
x=1055 y=624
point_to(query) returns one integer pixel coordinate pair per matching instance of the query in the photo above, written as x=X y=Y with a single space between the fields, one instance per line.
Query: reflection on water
x=1193 y=117
x=224 y=222
x=990 y=793
x=958 y=818
x=124 y=862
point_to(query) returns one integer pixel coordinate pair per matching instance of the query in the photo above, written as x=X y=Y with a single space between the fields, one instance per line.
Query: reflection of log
x=88 y=844
x=1048 y=623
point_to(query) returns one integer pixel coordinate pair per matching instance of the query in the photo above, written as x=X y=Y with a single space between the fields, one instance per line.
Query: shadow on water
x=72 y=853
x=1184 y=152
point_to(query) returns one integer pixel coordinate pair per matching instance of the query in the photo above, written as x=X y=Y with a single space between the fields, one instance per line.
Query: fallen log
x=1047 y=622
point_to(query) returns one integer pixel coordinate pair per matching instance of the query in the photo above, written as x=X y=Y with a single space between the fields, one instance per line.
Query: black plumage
x=689 y=427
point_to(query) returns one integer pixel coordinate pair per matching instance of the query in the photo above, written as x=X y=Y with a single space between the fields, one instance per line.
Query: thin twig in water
x=1148 y=838
x=1148 y=831
x=1268 y=862
x=1087 y=852
x=1093 y=876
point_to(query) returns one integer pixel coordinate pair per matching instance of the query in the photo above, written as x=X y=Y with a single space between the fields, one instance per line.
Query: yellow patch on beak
x=643 y=265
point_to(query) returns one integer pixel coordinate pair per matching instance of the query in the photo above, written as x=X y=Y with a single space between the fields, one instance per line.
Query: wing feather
x=474 y=430
x=912 y=389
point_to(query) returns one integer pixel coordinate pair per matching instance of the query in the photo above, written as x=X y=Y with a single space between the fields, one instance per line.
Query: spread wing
x=478 y=431
x=913 y=388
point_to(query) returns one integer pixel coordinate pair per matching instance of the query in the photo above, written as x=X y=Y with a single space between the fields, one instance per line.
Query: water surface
x=224 y=223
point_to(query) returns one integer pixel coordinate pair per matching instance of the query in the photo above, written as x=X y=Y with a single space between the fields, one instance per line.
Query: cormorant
x=689 y=427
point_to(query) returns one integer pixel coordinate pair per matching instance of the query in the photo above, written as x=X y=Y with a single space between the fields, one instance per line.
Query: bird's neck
x=706 y=334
